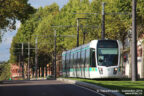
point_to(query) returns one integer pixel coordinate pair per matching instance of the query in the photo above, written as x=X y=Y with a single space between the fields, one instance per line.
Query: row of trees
x=10 y=12
x=118 y=23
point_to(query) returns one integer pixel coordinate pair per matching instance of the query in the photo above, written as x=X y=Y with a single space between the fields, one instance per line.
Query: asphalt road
x=43 y=88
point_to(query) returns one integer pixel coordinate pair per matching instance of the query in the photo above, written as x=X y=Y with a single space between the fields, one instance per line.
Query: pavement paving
x=43 y=88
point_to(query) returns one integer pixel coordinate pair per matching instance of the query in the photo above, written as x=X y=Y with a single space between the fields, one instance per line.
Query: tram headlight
x=100 y=70
x=115 y=70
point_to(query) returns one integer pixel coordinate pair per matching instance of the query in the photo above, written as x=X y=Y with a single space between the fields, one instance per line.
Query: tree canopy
x=12 y=10
x=118 y=23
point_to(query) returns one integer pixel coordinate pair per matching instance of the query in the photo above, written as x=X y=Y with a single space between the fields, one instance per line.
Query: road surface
x=43 y=88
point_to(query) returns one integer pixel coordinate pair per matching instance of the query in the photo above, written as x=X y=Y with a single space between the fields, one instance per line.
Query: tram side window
x=63 y=62
x=83 y=57
x=69 y=61
x=66 y=63
x=93 y=61
x=72 y=60
x=78 y=58
x=87 y=57
x=75 y=56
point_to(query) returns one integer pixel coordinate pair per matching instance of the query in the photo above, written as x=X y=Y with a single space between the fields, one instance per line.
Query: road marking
x=90 y=90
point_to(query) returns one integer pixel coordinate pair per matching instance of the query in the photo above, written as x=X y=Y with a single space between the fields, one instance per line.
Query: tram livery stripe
x=86 y=69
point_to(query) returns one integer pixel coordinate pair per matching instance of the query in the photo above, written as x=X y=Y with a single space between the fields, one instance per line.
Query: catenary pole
x=22 y=50
x=134 y=42
x=55 y=70
x=36 y=56
x=28 y=60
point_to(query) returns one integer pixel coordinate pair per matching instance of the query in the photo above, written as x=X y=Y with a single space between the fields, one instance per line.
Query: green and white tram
x=97 y=59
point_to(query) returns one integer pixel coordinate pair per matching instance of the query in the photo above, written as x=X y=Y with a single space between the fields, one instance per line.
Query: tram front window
x=107 y=53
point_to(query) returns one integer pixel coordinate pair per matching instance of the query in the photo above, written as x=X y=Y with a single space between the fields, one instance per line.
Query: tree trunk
x=142 y=65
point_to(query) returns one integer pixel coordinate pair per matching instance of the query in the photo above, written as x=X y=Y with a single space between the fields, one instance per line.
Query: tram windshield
x=107 y=53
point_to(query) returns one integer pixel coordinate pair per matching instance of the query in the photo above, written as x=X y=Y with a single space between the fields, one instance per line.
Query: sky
x=38 y=3
x=8 y=36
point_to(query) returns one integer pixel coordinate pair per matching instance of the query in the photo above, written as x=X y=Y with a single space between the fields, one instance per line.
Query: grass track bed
x=121 y=85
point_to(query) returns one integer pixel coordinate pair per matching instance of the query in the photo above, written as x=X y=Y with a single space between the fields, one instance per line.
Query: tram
x=97 y=59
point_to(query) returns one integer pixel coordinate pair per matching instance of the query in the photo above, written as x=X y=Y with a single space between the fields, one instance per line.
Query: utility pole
x=22 y=60
x=103 y=18
x=28 y=61
x=103 y=21
x=36 y=51
x=55 y=37
x=134 y=42
x=36 y=56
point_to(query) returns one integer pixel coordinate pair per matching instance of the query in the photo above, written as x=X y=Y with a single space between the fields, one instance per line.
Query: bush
x=5 y=71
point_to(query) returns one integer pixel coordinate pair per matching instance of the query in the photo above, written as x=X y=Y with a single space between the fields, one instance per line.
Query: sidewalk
x=106 y=91
x=38 y=78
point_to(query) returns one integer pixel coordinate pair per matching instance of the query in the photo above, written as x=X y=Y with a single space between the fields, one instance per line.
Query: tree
x=4 y=71
x=12 y=10
x=38 y=24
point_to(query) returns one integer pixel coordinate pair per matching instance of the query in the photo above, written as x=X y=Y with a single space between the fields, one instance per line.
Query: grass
x=117 y=85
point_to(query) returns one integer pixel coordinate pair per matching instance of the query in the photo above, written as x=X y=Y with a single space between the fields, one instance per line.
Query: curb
x=105 y=91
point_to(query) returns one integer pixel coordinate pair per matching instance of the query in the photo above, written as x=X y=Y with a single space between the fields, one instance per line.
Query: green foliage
x=39 y=24
x=12 y=10
x=4 y=71
x=117 y=22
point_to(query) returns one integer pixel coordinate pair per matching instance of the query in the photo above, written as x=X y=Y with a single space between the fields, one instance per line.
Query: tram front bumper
x=109 y=73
